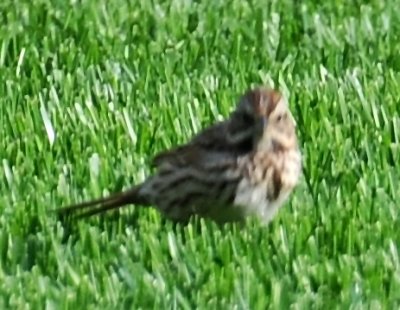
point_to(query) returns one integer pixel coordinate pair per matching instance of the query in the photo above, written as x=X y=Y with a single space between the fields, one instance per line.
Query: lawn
x=91 y=90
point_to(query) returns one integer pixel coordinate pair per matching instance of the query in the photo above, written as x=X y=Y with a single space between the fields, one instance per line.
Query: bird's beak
x=264 y=122
x=261 y=126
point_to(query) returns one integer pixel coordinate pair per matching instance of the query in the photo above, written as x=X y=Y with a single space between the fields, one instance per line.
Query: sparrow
x=245 y=166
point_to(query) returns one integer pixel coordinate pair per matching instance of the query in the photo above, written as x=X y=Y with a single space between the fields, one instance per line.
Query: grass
x=90 y=90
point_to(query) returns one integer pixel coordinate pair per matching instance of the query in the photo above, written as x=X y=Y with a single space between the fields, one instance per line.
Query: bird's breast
x=268 y=181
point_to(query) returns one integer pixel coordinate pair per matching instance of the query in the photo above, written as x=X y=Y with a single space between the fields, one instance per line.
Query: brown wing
x=210 y=145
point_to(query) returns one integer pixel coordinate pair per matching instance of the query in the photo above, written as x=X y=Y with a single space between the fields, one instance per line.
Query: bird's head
x=263 y=117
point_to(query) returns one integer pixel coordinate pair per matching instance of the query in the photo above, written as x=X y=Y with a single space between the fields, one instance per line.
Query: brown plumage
x=245 y=165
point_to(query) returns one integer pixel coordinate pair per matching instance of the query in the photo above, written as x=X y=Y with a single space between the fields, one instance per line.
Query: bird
x=246 y=165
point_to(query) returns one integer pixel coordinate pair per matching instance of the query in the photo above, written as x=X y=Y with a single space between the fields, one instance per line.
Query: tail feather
x=101 y=205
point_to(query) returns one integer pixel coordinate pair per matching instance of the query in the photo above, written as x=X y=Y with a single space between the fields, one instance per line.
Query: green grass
x=90 y=90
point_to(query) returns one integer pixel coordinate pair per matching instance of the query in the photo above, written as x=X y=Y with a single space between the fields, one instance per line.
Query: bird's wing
x=208 y=147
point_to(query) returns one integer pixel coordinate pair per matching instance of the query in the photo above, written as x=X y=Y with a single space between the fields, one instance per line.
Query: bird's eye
x=281 y=116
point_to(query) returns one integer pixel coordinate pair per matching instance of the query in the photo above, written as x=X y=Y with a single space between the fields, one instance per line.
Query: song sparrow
x=245 y=165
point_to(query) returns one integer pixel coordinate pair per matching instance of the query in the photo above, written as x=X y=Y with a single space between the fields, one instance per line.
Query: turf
x=90 y=90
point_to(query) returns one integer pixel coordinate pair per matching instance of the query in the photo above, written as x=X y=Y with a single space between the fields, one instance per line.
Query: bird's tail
x=101 y=205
